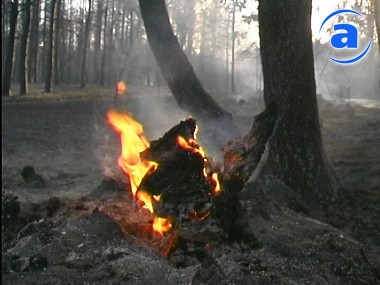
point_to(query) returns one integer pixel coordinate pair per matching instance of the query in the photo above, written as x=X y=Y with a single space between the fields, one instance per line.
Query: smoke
x=345 y=82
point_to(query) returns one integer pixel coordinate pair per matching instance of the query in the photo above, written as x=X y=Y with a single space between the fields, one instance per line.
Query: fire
x=132 y=143
x=161 y=225
x=215 y=179
x=193 y=146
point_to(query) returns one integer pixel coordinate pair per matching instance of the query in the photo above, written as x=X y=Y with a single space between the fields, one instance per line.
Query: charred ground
x=55 y=234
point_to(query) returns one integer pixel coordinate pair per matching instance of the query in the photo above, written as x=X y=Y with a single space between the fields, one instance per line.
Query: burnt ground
x=57 y=232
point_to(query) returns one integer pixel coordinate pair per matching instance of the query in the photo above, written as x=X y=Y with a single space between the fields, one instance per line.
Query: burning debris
x=181 y=188
x=172 y=178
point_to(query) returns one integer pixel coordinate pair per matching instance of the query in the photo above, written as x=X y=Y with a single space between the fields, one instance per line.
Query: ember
x=170 y=177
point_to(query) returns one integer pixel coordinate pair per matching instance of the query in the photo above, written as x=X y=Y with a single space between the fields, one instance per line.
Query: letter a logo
x=348 y=39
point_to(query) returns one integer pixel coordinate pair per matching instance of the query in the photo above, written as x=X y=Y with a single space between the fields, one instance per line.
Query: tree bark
x=233 y=47
x=49 y=58
x=296 y=154
x=8 y=64
x=97 y=41
x=104 y=53
x=57 y=39
x=44 y=41
x=179 y=74
x=86 y=35
x=23 y=48
x=33 y=43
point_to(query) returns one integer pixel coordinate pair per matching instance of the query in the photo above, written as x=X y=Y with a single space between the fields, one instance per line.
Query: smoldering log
x=179 y=178
x=175 y=167
x=160 y=149
x=242 y=155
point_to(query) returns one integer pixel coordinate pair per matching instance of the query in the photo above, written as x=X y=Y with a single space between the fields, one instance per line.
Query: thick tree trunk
x=23 y=49
x=296 y=154
x=49 y=58
x=179 y=74
x=8 y=64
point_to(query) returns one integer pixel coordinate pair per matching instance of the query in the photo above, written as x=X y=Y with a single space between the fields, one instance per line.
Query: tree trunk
x=57 y=39
x=85 y=44
x=8 y=64
x=3 y=29
x=179 y=74
x=98 y=40
x=233 y=47
x=296 y=154
x=49 y=58
x=33 y=43
x=44 y=41
x=104 y=54
x=23 y=49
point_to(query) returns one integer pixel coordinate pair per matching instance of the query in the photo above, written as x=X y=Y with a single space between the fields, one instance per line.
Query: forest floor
x=57 y=236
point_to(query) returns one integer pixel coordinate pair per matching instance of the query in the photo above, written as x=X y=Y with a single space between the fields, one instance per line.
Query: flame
x=193 y=146
x=121 y=87
x=215 y=179
x=133 y=143
x=161 y=225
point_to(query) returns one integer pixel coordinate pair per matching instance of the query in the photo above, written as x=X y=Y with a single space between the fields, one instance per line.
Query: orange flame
x=193 y=146
x=161 y=225
x=133 y=143
x=215 y=179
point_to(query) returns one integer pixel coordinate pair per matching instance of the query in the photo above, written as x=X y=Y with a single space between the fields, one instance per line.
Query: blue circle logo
x=348 y=38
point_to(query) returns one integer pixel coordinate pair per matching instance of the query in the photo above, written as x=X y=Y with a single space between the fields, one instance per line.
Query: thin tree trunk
x=98 y=40
x=62 y=58
x=33 y=43
x=131 y=31
x=3 y=29
x=44 y=41
x=233 y=48
x=8 y=64
x=227 y=55
x=49 y=58
x=57 y=39
x=23 y=49
x=296 y=154
x=85 y=43
x=111 y=46
x=104 y=54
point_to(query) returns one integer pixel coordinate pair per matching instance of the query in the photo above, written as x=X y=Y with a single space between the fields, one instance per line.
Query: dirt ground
x=67 y=240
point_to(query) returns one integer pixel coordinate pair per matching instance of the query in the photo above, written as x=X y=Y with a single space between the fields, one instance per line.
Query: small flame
x=194 y=147
x=161 y=225
x=215 y=179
